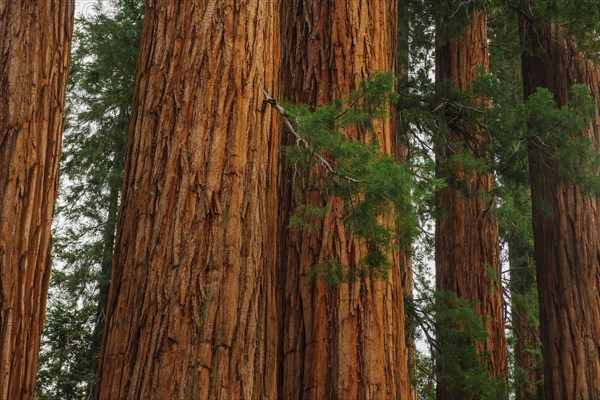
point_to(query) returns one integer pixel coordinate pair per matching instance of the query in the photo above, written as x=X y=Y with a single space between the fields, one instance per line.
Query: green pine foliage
x=99 y=99
x=579 y=19
x=372 y=185
x=425 y=377
x=462 y=371
x=514 y=216
x=452 y=331
x=64 y=358
x=330 y=271
x=505 y=130
x=552 y=129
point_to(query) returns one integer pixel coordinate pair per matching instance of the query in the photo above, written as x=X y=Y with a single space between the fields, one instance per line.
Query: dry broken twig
x=301 y=141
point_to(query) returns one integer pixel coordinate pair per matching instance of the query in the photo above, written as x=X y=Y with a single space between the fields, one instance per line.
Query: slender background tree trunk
x=191 y=310
x=528 y=370
x=516 y=230
x=565 y=226
x=466 y=238
x=36 y=45
x=347 y=341
x=406 y=272
x=108 y=248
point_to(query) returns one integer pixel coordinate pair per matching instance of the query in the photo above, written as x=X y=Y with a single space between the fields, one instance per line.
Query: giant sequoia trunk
x=566 y=227
x=36 y=44
x=191 y=306
x=466 y=238
x=347 y=341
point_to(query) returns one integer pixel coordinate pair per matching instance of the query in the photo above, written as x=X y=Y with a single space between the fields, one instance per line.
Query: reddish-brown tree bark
x=466 y=238
x=565 y=226
x=347 y=341
x=191 y=312
x=36 y=45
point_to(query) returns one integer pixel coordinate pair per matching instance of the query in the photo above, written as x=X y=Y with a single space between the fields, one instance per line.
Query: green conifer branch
x=300 y=140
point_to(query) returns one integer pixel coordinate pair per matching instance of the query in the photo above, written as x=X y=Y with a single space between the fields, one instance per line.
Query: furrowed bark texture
x=191 y=311
x=466 y=237
x=34 y=65
x=347 y=341
x=565 y=227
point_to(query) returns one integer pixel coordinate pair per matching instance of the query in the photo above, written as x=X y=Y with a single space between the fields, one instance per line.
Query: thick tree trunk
x=566 y=228
x=347 y=341
x=36 y=45
x=191 y=310
x=466 y=238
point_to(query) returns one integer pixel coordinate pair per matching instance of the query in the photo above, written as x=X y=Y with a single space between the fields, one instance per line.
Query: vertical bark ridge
x=345 y=341
x=467 y=244
x=565 y=227
x=34 y=66
x=191 y=306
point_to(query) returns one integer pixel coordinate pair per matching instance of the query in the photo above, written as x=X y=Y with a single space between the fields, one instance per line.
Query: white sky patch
x=89 y=8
